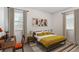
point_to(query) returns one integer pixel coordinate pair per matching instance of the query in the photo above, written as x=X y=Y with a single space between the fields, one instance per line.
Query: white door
x=18 y=24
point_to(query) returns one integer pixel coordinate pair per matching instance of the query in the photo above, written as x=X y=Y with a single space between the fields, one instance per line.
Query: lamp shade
x=1 y=30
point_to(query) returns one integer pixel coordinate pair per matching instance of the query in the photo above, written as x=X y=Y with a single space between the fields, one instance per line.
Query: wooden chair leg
x=14 y=50
x=22 y=49
x=3 y=50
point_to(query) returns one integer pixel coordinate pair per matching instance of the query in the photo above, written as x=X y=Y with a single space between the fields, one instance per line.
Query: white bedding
x=40 y=37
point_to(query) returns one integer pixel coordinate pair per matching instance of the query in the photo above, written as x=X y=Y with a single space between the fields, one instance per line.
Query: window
x=70 y=21
x=18 y=24
x=18 y=20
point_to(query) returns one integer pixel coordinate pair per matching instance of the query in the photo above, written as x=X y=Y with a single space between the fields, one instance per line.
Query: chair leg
x=3 y=50
x=14 y=50
x=22 y=49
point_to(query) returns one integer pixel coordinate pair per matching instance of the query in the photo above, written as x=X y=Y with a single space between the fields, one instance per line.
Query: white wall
x=2 y=20
x=33 y=13
x=6 y=19
x=57 y=23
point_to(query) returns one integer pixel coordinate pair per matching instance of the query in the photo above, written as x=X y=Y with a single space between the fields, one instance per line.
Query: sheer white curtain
x=25 y=24
x=18 y=24
x=11 y=20
x=76 y=13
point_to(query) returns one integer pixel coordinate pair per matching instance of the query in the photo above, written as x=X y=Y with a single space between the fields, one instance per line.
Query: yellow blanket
x=47 y=41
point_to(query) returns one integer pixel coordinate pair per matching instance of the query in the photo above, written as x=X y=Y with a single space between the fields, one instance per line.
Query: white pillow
x=38 y=32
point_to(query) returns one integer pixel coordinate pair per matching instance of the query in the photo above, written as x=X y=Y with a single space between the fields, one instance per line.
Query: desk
x=6 y=45
x=1 y=42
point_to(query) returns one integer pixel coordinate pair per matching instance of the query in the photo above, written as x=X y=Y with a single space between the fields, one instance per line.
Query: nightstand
x=30 y=39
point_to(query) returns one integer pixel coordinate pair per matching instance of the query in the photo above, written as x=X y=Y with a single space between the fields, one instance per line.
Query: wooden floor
x=65 y=48
x=68 y=47
x=27 y=48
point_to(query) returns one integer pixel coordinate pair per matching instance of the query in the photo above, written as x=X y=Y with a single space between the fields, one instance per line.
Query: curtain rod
x=19 y=9
x=67 y=11
x=71 y=10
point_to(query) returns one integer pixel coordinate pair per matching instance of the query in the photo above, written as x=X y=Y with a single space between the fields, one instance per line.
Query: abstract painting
x=39 y=22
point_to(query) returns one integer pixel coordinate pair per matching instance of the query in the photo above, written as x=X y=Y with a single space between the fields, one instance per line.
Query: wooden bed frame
x=49 y=48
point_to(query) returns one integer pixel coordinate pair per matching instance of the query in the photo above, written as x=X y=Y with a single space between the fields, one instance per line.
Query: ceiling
x=51 y=9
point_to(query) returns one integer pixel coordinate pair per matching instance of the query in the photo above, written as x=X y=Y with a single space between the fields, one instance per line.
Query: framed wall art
x=39 y=22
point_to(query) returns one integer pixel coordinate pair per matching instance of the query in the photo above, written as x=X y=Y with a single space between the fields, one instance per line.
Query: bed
x=48 y=39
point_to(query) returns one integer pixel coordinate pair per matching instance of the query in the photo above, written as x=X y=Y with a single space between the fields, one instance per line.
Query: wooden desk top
x=1 y=41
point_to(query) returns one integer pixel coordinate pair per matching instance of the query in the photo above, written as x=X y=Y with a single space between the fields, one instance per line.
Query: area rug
x=62 y=48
